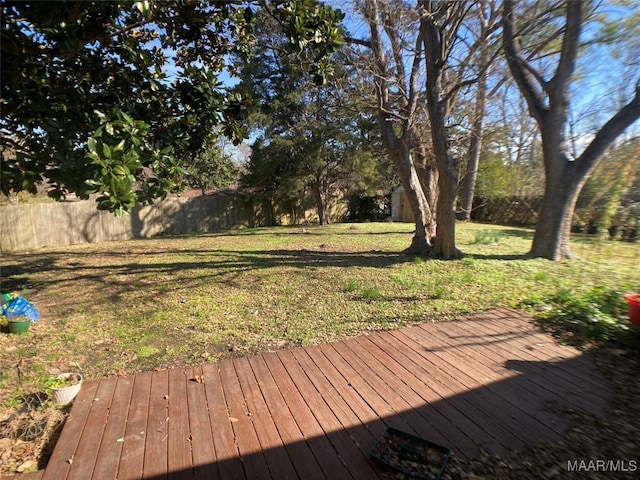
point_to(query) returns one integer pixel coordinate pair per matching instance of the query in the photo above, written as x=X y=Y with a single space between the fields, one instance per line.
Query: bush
x=599 y=314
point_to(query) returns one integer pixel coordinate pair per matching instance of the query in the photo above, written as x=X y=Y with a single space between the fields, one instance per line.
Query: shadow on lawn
x=21 y=272
x=26 y=271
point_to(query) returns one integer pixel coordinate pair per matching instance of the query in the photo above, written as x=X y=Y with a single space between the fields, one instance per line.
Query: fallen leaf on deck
x=233 y=419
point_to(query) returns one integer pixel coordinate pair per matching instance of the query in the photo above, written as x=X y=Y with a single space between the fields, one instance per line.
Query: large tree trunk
x=475 y=145
x=553 y=228
x=437 y=107
x=424 y=220
x=428 y=175
x=445 y=244
x=398 y=136
x=563 y=178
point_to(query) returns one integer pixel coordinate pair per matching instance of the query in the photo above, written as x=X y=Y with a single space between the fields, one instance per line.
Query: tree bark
x=427 y=172
x=321 y=204
x=446 y=163
x=425 y=223
x=398 y=136
x=563 y=178
x=553 y=227
x=475 y=146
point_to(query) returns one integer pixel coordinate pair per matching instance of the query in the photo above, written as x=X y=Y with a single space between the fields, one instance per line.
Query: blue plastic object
x=20 y=307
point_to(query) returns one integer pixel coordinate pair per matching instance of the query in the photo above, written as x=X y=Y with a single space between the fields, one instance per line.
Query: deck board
x=255 y=464
x=310 y=429
x=278 y=460
x=179 y=461
x=114 y=434
x=157 y=432
x=229 y=464
x=67 y=444
x=203 y=446
x=91 y=439
x=525 y=396
x=132 y=455
x=305 y=463
x=489 y=381
x=503 y=406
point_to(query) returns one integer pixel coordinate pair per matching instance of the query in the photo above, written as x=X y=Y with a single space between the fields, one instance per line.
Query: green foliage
x=609 y=203
x=599 y=314
x=370 y=294
x=212 y=168
x=350 y=286
x=311 y=146
x=51 y=383
x=146 y=351
x=487 y=237
x=114 y=97
x=501 y=173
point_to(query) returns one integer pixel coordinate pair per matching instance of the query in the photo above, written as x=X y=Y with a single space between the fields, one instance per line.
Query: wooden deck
x=490 y=381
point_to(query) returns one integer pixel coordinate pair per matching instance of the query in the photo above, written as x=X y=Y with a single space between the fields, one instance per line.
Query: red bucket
x=633 y=299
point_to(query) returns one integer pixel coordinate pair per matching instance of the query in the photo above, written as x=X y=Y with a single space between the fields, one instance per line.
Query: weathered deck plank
x=305 y=463
x=278 y=461
x=114 y=434
x=180 y=460
x=488 y=381
x=132 y=456
x=227 y=458
x=157 y=432
x=254 y=462
x=67 y=445
x=203 y=447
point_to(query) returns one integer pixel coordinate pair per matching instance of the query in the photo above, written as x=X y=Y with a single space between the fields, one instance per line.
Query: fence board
x=27 y=227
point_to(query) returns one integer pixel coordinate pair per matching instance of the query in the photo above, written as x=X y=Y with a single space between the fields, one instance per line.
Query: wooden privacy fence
x=507 y=211
x=26 y=227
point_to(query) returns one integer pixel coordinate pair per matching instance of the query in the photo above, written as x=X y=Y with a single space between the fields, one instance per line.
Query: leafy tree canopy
x=112 y=98
x=212 y=167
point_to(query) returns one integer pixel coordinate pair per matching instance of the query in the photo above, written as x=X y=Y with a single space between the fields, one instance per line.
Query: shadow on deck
x=492 y=381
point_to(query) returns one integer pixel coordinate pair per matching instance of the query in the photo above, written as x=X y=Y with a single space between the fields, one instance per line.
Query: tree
x=112 y=97
x=549 y=100
x=420 y=61
x=393 y=59
x=212 y=168
x=486 y=14
x=319 y=124
x=272 y=175
x=608 y=195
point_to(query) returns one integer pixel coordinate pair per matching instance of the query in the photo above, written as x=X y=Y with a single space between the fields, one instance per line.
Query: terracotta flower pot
x=633 y=299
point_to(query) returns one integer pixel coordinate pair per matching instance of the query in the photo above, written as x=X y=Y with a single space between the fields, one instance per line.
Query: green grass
x=144 y=304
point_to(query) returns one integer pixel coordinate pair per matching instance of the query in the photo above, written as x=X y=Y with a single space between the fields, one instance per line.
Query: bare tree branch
x=609 y=131
x=570 y=43
x=516 y=64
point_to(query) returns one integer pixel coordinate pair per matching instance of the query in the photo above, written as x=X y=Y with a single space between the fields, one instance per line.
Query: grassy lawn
x=144 y=304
